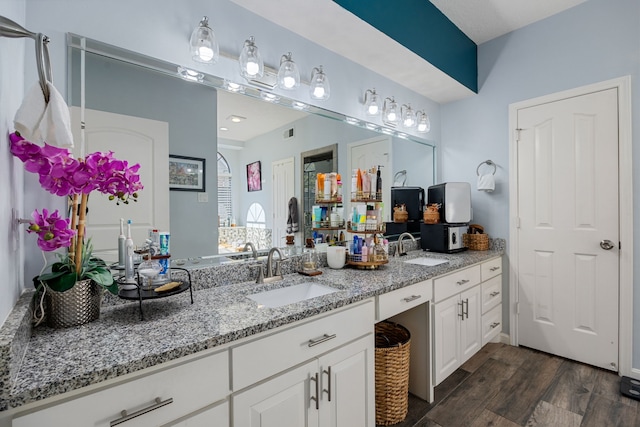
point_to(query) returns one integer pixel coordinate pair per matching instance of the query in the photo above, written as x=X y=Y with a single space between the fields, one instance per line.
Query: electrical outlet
x=203 y=197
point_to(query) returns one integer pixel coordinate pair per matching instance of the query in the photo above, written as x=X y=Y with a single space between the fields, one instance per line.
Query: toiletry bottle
x=129 y=275
x=378 y=184
x=121 y=246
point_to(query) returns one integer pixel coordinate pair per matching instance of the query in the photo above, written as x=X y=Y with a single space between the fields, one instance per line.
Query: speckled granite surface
x=60 y=360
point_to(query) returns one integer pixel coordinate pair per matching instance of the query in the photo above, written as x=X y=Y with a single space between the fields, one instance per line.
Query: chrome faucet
x=400 y=246
x=270 y=262
x=250 y=245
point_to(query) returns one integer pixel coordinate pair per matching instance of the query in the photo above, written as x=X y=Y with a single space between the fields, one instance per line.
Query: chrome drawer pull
x=126 y=417
x=316 y=397
x=462 y=282
x=495 y=293
x=324 y=338
x=494 y=268
x=412 y=298
x=495 y=325
x=328 y=389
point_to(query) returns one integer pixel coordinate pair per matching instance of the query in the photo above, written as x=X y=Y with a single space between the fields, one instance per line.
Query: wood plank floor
x=505 y=386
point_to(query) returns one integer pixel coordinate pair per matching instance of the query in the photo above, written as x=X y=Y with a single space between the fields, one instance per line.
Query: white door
x=283 y=401
x=567 y=174
x=135 y=140
x=283 y=189
x=365 y=155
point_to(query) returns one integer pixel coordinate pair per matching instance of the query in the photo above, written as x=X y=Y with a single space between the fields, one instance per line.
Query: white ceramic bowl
x=336 y=256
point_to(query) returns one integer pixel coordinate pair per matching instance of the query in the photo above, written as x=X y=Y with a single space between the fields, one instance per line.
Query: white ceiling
x=349 y=36
x=327 y=24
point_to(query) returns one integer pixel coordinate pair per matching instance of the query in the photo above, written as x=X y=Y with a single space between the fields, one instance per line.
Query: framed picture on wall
x=254 y=176
x=186 y=173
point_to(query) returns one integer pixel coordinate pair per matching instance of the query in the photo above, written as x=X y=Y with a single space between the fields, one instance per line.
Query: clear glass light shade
x=424 y=124
x=203 y=43
x=319 y=84
x=408 y=117
x=371 y=103
x=390 y=112
x=288 y=74
x=251 y=65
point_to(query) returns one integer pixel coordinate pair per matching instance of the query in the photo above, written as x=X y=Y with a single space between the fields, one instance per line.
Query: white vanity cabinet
x=465 y=306
x=335 y=387
x=193 y=394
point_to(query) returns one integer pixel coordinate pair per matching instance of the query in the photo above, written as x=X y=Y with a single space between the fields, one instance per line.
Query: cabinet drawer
x=491 y=293
x=491 y=268
x=444 y=287
x=400 y=300
x=192 y=385
x=279 y=351
x=491 y=324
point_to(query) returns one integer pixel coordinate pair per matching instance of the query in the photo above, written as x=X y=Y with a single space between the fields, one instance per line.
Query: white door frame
x=625 y=178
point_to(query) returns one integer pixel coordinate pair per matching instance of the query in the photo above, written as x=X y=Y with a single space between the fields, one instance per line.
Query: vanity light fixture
x=233 y=86
x=319 y=84
x=424 y=124
x=251 y=65
x=390 y=113
x=190 y=75
x=203 y=43
x=371 y=102
x=269 y=97
x=288 y=74
x=408 y=116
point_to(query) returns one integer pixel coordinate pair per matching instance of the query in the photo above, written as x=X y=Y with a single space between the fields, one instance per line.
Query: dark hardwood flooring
x=505 y=386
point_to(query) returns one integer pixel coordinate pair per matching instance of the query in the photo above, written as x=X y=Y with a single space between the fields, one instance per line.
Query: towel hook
x=490 y=163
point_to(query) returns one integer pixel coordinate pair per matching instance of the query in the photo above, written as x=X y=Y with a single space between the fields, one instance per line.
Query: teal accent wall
x=420 y=27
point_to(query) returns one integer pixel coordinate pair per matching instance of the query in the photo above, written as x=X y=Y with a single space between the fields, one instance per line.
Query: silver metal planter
x=73 y=307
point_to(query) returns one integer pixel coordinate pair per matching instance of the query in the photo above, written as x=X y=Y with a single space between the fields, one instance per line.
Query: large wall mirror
x=245 y=149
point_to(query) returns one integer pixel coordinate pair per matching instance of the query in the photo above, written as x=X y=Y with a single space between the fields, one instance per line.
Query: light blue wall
x=596 y=41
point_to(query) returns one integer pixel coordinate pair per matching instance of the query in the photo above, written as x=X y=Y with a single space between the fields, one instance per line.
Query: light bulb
x=205 y=53
x=318 y=92
x=373 y=109
x=289 y=82
x=288 y=74
x=252 y=68
x=392 y=116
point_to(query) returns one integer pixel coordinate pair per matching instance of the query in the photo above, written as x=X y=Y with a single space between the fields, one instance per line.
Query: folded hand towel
x=55 y=126
x=29 y=115
x=486 y=183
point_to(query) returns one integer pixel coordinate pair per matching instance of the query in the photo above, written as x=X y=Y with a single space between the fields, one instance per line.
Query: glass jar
x=309 y=259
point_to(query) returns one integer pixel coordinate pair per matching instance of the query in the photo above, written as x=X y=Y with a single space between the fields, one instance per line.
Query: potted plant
x=72 y=286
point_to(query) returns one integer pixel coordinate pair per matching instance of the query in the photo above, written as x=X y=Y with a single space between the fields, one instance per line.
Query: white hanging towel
x=55 y=127
x=29 y=115
x=486 y=183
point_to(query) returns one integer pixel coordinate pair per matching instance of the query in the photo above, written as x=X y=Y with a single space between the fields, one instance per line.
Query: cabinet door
x=471 y=324
x=284 y=401
x=347 y=385
x=446 y=338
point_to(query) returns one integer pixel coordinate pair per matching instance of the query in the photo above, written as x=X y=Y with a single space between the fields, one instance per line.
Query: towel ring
x=490 y=163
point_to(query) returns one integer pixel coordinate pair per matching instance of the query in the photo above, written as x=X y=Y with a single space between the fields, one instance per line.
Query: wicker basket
x=476 y=242
x=393 y=343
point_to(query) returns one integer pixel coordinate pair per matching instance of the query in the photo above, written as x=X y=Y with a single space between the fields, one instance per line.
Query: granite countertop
x=60 y=360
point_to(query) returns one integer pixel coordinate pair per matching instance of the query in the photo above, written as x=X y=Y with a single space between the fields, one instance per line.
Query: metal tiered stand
x=139 y=294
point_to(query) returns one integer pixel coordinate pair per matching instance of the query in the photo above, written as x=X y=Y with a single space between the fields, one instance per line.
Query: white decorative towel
x=29 y=115
x=486 y=183
x=55 y=127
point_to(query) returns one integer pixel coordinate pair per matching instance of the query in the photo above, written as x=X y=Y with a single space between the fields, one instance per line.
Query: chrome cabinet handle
x=324 y=338
x=495 y=293
x=462 y=282
x=461 y=314
x=328 y=389
x=412 y=298
x=494 y=268
x=159 y=403
x=607 y=245
x=466 y=312
x=494 y=325
x=316 y=398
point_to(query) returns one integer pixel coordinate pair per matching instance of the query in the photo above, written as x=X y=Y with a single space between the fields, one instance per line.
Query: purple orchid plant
x=63 y=175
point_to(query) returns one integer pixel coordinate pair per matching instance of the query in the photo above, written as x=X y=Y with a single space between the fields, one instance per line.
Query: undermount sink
x=429 y=262
x=291 y=294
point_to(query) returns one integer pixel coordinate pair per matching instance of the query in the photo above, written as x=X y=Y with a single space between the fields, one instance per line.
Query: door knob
x=607 y=245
